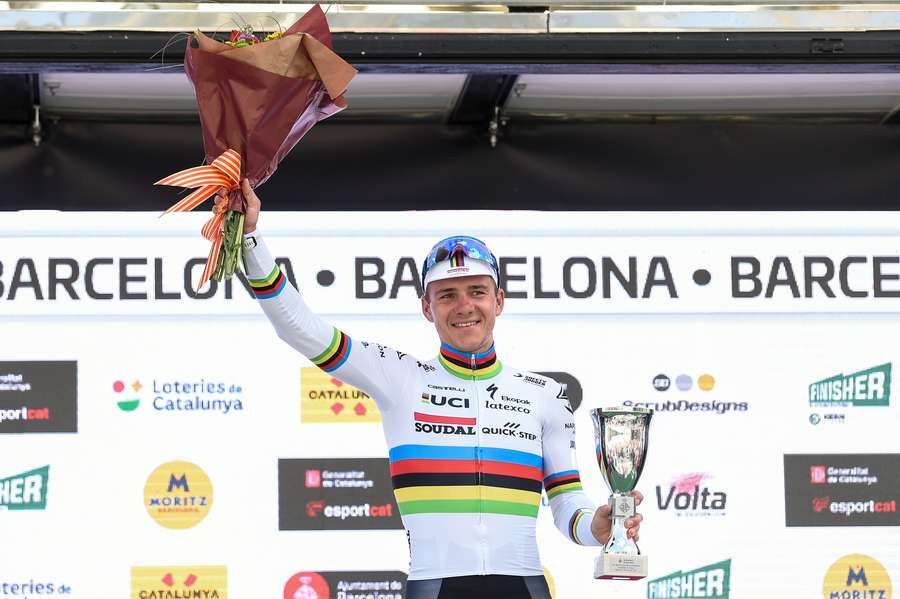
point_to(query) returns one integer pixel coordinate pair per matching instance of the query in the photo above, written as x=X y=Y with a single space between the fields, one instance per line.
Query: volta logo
x=178 y=495
x=857 y=576
x=26 y=491
x=325 y=399
x=870 y=387
x=689 y=495
x=708 y=582
x=179 y=582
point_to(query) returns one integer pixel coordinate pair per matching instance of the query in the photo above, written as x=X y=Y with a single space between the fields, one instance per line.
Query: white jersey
x=472 y=441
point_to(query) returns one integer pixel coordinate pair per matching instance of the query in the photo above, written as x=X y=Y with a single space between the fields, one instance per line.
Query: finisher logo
x=708 y=582
x=26 y=491
x=444 y=425
x=178 y=495
x=179 y=582
x=870 y=387
x=856 y=576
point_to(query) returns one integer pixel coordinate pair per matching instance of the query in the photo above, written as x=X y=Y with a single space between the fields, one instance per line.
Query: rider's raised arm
x=572 y=510
x=373 y=368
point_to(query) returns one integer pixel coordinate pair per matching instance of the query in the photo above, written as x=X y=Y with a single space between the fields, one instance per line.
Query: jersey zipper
x=479 y=475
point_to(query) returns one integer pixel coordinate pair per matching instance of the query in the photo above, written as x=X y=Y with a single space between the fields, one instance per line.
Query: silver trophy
x=621 y=436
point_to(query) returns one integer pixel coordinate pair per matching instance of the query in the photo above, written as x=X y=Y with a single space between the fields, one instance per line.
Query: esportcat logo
x=869 y=387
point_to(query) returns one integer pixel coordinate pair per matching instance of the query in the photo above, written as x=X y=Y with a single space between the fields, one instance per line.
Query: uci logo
x=453 y=402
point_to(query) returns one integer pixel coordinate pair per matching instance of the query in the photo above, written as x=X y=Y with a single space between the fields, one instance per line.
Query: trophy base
x=620 y=566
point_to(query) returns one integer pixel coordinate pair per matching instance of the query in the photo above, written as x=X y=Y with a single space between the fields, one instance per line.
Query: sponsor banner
x=25 y=491
x=831 y=399
x=612 y=263
x=336 y=494
x=346 y=585
x=695 y=494
x=179 y=582
x=38 y=397
x=326 y=399
x=28 y=587
x=178 y=495
x=842 y=489
x=707 y=582
x=857 y=576
x=178 y=396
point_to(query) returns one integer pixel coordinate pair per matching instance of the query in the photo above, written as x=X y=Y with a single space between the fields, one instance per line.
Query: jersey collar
x=468 y=365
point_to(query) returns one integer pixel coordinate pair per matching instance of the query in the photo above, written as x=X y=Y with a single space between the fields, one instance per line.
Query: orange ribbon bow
x=225 y=171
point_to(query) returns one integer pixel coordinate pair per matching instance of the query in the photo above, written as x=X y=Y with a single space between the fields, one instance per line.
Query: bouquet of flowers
x=256 y=98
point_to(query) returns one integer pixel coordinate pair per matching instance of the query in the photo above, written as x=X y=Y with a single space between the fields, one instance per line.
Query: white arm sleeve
x=572 y=509
x=375 y=369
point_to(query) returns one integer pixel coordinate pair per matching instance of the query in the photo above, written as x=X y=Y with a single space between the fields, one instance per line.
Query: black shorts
x=490 y=586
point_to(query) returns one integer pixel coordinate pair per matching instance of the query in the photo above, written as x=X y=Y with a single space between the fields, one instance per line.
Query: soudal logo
x=510 y=429
x=444 y=425
x=870 y=387
x=443 y=400
x=689 y=495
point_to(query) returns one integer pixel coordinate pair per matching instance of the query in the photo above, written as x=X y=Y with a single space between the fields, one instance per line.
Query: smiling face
x=463 y=311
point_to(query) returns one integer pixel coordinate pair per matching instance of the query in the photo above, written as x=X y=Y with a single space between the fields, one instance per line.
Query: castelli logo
x=820 y=504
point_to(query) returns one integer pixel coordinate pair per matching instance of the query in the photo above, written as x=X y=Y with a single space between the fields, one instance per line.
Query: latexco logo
x=178 y=495
x=179 y=582
x=38 y=397
x=857 y=576
x=169 y=396
x=325 y=399
x=25 y=491
x=690 y=495
x=346 y=585
x=708 y=582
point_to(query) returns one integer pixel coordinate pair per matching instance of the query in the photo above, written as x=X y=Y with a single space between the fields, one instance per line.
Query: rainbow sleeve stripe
x=335 y=354
x=562 y=482
x=575 y=520
x=430 y=479
x=270 y=286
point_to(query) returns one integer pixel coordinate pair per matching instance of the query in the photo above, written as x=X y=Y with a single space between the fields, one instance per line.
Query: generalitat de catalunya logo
x=200 y=396
x=178 y=495
x=856 y=576
x=179 y=582
x=25 y=491
x=709 y=582
x=328 y=400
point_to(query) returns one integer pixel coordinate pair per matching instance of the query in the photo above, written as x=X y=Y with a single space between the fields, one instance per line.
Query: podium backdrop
x=160 y=444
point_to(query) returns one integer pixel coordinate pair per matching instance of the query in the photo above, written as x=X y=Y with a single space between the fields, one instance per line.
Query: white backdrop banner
x=766 y=343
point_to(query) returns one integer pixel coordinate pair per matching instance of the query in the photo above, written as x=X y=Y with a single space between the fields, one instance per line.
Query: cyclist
x=472 y=441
